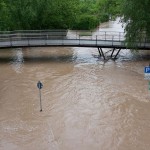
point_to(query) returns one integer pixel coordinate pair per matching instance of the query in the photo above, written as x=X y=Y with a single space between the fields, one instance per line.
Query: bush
x=104 y=17
x=86 y=22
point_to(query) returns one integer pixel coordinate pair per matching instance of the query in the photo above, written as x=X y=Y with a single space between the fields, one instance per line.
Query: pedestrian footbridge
x=51 y=38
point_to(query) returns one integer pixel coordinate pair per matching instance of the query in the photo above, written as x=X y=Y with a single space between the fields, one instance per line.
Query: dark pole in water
x=40 y=85
x=40 y=100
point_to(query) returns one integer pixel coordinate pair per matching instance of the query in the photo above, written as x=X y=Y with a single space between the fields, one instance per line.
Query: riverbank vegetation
x=136 y=16
x=37 y=14
x=54 y=14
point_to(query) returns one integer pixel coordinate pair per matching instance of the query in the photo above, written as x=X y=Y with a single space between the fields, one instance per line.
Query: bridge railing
x=102 y=35
x=57 y=34
x=62 y=34
x=32 y=34
x=99 y=35
x=34 y=31
x=62 y=37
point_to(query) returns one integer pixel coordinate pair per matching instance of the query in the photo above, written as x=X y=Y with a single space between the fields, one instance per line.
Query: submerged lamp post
x=40 y=85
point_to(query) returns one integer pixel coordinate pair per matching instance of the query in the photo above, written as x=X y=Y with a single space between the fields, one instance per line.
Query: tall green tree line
x=53 y=14
x=37 y=14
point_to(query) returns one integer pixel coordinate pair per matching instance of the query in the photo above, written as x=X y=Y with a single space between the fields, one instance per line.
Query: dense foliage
x=136 y=16
x=108 y=9
x=53 y=14
x=37 y=14
x=88 y=15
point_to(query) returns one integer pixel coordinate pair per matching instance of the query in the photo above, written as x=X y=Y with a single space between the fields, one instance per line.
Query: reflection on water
x=87 y=103
x=17 y=60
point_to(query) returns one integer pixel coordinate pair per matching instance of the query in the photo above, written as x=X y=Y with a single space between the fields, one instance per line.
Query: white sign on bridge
x=147 y=73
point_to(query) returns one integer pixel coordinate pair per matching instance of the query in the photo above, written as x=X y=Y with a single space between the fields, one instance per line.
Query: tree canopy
x=136 y=16
x=53 y=14
x=37 y=14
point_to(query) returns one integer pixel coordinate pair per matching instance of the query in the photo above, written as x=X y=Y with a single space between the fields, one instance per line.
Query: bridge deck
x=44 y=39
x=69 y=43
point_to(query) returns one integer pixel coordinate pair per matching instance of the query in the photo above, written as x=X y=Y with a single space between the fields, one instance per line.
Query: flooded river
x=88 y=103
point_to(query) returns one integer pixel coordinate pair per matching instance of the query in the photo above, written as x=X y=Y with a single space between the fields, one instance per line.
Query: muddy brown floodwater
x=88 y=104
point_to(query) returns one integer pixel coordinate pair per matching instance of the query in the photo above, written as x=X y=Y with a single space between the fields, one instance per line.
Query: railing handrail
x=20 y=35
x=52 y=33
x=32 y=31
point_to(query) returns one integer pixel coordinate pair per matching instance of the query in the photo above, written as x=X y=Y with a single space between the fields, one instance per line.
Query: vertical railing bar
x=144 y=42
x=79 y=39
x=96 y=40
x=76 y=34
x=112 y=39
x=10 y=40
x=119 y=36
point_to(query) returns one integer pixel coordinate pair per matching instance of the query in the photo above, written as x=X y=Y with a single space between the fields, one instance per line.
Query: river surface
x=88 y=103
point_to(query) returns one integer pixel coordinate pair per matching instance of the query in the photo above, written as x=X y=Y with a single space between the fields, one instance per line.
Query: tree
x=37 y=14
x=136 y=16
x=4 y=15
x=108 y=9
x=87 y=15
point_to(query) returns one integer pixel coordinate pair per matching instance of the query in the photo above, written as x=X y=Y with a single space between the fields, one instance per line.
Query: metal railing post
x=28 y=41
x=79 y=39
x=96 y=40
x=62 y=41
x=10 y=40
x=145 y=42
x=76 y=34
x=112 y=39
x=105 y=36
x=46 y=40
